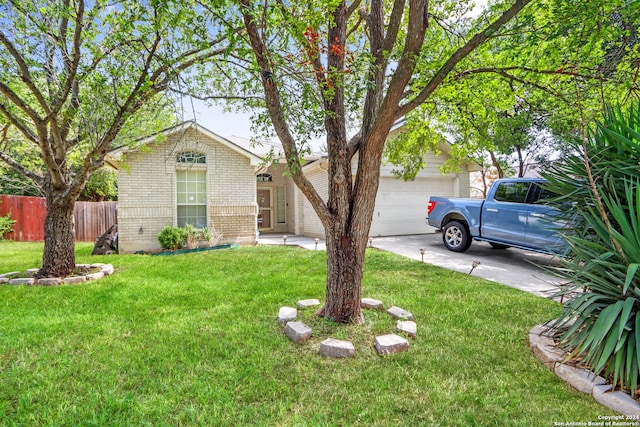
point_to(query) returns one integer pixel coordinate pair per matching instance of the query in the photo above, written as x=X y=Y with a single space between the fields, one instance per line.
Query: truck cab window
x=539 y=195
x=512 y=192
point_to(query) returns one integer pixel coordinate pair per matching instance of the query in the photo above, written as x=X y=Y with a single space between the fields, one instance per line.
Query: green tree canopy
x=528 y=93
x=74 y=75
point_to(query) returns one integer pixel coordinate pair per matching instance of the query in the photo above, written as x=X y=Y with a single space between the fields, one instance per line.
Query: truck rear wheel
x=455 y=236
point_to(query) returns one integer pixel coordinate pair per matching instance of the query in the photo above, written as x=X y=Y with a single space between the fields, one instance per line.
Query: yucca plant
x=599 y=181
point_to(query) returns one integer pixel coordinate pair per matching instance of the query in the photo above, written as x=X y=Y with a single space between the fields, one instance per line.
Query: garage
x=401 y=206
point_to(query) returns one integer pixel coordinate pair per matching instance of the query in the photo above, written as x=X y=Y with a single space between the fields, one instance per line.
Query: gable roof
x=254 y=159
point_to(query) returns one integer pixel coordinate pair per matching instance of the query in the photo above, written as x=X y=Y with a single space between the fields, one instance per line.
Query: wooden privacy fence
x=92 y=218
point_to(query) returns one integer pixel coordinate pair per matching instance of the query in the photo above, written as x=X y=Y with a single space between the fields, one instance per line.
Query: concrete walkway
x=512 y=267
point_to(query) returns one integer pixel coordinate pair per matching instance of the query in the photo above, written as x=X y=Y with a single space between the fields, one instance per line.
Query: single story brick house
x=188 y=174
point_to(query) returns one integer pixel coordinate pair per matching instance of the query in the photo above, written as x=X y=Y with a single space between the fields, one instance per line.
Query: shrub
x=193 y=236
x=212 y=236
x=172 y=237
x=600 y=323
x=6 y=225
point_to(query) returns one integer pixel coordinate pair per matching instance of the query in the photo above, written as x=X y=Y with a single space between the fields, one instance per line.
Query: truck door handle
x=537 y=215
x=492 y=210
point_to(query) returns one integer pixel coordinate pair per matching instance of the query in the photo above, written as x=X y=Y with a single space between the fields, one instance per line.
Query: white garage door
x=401 y=207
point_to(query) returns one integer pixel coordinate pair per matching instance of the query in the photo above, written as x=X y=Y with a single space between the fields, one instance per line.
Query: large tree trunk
x=345 y=258
x=59 y=257
x=348 y=233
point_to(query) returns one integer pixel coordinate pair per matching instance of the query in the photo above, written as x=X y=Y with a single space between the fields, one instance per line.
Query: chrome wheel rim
x=453 y=236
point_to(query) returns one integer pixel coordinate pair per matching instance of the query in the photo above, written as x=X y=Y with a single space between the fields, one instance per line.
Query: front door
x=264 y=209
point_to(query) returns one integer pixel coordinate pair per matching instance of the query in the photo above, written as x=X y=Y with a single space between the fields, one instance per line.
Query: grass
x=194 y=340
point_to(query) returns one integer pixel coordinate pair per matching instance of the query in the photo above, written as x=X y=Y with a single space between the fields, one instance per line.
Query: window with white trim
x=191 y=190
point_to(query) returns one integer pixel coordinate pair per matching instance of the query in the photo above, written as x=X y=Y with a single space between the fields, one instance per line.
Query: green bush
x=599 y=181
x=172 y=238
x=6 y=225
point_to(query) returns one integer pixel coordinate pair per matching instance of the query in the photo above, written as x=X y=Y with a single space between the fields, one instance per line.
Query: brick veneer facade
x=147 y=190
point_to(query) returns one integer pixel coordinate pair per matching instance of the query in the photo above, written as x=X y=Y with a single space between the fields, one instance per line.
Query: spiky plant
x=599 y=182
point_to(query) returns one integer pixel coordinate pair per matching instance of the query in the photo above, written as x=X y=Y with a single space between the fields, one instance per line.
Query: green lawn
x=194 y=340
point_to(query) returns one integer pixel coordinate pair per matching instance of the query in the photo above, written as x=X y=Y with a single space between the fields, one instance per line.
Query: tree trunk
x=496 y=163
x=345 y=258
x=59 y=257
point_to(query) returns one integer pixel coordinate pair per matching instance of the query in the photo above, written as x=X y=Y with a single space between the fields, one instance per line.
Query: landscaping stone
x=340 y=349
x=107 y=269
x=581 y=379
x=5 y=275
x=616 y=400
x=286 y=314
x=306 y=303
x=49 y=281
x=75 y=279
x=95 y=276
x=371 y=303
x=538 y=334
x=392 y=343
x=399 y=313
x=22 y=281
x=544 y=349
x=297 y=332
x=409 y=327
x=32 y=271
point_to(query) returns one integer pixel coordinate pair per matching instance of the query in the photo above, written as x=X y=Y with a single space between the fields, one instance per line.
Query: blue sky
x=217 y=121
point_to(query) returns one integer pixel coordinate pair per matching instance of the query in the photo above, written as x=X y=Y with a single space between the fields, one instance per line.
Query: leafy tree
x=348 y=70
x=73 y=75
x=519 y=96
x=101 y=186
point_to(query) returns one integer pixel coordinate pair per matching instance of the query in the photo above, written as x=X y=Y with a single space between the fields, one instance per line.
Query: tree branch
x=459 y=55
x=215 y=97
x=25 y=75
x=513 y=78
x=15 y=165
x=274 y=106
x=18 y=102
x=559 y=71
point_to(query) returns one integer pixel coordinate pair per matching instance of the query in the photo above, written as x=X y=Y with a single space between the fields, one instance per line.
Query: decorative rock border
x=339 y=349
x=299 y=333
x=287 y=314
x=392 y=343
x=579 y=378
x=105 y=270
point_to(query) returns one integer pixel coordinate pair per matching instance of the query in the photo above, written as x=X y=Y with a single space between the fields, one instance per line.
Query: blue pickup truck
x=513 y=214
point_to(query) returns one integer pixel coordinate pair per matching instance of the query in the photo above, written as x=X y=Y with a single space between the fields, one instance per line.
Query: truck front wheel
x=455 y=236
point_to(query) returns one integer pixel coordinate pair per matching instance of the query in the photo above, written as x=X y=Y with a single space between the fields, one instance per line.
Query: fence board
x=91 y=218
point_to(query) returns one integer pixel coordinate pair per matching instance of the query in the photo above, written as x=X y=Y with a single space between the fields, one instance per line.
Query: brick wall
x=147 y=191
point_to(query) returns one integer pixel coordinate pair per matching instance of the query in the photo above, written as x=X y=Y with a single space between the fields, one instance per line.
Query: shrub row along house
x=189 y=175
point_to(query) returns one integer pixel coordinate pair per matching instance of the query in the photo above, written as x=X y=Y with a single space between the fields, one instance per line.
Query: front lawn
x=194 y=340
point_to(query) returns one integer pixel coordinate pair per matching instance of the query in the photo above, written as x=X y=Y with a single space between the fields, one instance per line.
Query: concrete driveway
x=513 y=267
